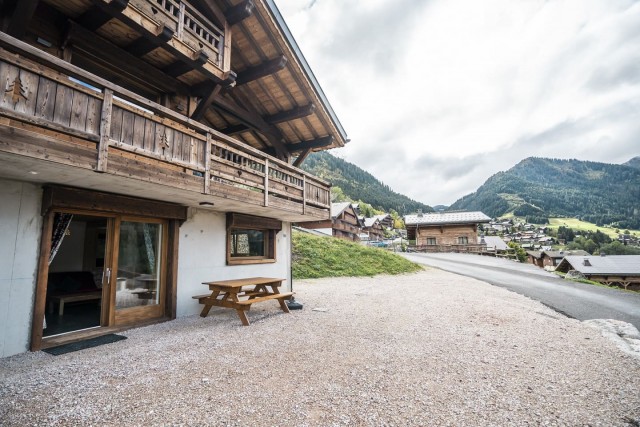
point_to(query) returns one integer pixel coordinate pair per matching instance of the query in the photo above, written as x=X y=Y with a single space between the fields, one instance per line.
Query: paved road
x=578 y=300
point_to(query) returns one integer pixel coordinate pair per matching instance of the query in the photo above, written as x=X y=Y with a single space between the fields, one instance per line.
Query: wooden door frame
x=87 y=202
x=134 y=312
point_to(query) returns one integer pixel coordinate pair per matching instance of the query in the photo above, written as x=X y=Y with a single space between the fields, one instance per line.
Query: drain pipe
x=292 y=303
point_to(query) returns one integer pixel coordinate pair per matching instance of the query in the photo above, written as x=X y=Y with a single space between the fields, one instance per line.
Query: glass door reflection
x=139 y=264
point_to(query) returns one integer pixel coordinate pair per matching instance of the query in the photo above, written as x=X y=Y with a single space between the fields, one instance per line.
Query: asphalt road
x=578 y=300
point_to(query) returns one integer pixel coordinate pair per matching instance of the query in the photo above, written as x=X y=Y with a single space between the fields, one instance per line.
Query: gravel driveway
x=431 y=348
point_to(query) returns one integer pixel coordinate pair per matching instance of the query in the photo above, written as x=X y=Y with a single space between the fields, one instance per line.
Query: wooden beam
x=96 y=17
x=21 y=17
x=267 y=68
x=235 y=129
x=240 y=12
x=271 y=132
x=294 y=113
x=314 y=143
x=205 y=102
x=301 y=158
x=211 y=8
x=124 y=62
x=179 y=68
x=143 y=45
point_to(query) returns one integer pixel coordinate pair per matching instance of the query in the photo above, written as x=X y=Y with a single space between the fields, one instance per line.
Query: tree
x=521 y=254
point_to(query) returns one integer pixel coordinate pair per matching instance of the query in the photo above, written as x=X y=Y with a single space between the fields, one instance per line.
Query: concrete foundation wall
x=20 y=228
x=202 y=258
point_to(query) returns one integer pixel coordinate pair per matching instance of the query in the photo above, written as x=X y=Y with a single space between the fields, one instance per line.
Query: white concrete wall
x=20 y=228
x=202 y=258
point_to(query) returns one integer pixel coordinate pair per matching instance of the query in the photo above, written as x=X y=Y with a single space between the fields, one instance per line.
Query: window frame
x=268 y=226
x=430 y=240
x=463 y=240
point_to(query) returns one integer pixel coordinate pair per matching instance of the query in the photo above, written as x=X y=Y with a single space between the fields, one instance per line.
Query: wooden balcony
x=57 y=113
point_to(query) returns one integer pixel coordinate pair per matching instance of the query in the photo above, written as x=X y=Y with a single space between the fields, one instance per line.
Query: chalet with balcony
x=373 y=229
x=344 y=223
x=147 y=146
x=445 y=231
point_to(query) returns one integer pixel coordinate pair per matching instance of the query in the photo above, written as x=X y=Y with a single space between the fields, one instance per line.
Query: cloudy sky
x=438 y=95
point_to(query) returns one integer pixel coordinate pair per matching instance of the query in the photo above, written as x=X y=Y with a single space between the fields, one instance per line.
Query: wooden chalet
x=373 y=228
x=552 y=259
x=386 y=221
x=445 y=231
x=611 y=270
x=344 y=223
x=147 y=146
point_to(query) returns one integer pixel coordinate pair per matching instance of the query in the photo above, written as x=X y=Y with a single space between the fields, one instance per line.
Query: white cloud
x=436 y=96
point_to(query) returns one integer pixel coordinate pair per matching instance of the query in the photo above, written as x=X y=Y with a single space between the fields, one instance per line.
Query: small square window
x=463 y=240
x=431 y=240
x=251 y=240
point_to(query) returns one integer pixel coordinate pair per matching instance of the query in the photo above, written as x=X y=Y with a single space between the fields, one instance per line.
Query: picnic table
x=240 y=294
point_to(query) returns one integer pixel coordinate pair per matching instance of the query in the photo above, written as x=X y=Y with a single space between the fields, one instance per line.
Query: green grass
x=577 y=224
x=315 y=257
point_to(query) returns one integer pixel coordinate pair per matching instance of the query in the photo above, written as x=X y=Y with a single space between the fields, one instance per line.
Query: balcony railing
x=189 y=26
x=98 y=125
x=449 y=248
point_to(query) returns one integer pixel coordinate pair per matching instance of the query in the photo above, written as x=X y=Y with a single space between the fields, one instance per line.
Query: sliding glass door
x=138 y=272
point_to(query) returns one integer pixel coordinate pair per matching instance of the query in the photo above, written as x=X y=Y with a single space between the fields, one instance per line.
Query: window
x=431 y=240
x=251 y=239
x=463 y=240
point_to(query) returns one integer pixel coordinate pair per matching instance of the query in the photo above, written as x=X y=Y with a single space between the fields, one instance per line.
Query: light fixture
x=33 y=172
x=206 y=204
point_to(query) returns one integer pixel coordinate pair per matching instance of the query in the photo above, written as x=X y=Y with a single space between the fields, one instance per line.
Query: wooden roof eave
x=298 y=65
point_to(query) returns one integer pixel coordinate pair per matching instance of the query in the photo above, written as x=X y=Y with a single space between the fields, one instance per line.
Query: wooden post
x=266 y=182
x=304 y=194
x=41 y=284
x=105 y=129
x=207 y=164
x=180 y=21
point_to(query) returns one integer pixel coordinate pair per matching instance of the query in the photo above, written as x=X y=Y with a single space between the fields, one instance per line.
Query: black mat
x=81 y=345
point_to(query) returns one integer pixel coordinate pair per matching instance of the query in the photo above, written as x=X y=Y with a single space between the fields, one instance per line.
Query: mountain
x=536 y=187
x=634 y=163
x=358 y=184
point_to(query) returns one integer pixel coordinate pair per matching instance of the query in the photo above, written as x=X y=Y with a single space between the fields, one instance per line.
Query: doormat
x=81 y=345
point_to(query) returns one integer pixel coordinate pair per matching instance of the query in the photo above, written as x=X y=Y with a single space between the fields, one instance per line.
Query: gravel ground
x=431 y=348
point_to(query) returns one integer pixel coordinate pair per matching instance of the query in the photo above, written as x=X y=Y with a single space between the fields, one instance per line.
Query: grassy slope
x=577 y=224
x=315 y=257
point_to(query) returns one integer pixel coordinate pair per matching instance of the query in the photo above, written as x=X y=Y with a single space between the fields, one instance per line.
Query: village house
x=551 y=259
x=373 y=229
x=386 y=221
x=445 y=231
x=146 y=147
x=611 y=270
x=344 y=223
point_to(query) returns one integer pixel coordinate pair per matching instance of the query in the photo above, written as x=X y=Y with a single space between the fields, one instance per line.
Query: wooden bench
x=227 y=293
x=63 y=299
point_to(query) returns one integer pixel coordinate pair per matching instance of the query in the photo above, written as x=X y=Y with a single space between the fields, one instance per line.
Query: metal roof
x=610 y=264
x=368 y=222
x=337 y=208
x=495 y=242
x=446 y=218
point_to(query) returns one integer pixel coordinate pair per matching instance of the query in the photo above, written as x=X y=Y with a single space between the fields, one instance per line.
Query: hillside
x=596 y=192
x=634 y=163
x=315 y=257
x=358 y=184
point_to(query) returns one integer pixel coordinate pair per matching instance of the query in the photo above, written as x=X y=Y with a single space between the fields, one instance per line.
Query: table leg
x=243 y=317
x=207 y=307
x=283 y=305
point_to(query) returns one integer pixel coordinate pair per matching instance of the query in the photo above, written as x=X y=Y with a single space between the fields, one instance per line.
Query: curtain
x=151 y=257
x=60 y=225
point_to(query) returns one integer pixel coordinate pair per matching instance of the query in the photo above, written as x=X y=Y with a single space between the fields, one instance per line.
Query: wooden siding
x=88 y=122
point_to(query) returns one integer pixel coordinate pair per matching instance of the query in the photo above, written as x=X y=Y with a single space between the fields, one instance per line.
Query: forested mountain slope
x=536 y=187
x=358 y=184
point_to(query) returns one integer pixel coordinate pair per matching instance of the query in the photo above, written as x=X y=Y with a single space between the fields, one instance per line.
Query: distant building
x=373 y=229
x=385 y=220
x=344 y=223
x=618 y=270
x=445 y=231
x=551 y=258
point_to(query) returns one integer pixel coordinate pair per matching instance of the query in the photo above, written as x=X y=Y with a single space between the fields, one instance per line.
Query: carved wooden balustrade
x=76 y=118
